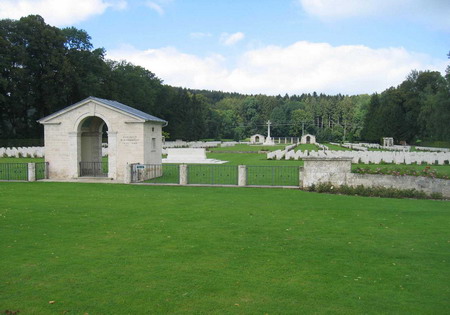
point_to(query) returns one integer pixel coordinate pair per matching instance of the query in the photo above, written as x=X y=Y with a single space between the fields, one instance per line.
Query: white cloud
x=158 y=5
x=430 y=12
x=158 y=8
x=231 y=39
x=174 y=67
x=58 y=12
x=299 y=68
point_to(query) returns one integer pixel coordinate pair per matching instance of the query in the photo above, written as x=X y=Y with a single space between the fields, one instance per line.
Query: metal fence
x=156 y=173
x=41 y=170
x=13 y=171
x=94 y=169
x=213 y=174
x=272 y=175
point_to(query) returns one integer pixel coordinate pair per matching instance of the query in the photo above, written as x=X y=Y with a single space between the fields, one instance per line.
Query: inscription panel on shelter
x=127 y=140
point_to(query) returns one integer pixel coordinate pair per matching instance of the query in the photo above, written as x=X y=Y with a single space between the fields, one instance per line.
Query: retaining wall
x=337 y=171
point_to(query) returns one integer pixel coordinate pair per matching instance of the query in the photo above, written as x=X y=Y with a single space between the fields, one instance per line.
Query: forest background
x=45 y=68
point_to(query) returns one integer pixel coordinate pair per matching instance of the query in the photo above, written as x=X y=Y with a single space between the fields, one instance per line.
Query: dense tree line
x=44 y=68
x=418 y=109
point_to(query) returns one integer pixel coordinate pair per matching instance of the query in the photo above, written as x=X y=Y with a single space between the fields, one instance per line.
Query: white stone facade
x=388 y=142
x=257 y=139
x=74 y=135
x=306 y=139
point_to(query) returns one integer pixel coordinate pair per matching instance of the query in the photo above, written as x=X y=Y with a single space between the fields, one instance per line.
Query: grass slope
x=127 y=249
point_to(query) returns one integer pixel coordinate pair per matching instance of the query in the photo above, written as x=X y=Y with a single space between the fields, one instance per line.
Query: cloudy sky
x=262 y=46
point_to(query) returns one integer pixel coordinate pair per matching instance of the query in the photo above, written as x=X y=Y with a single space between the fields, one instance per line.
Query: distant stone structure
x=308 y=139
x=388 y=142
x=73 y=139
x=257 y=139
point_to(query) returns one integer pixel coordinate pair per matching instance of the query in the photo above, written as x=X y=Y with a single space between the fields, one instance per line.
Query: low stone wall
x=425 y=184
x=337 y=171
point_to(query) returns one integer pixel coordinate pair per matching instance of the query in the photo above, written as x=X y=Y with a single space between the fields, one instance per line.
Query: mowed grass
x=306 y=147
x=20 y=160
x=334 y=147
x=129 y=249
x=250 y=159
x=249 y=148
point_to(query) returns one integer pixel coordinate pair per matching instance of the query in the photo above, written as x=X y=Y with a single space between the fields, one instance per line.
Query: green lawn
x=304 y=147
x=249 y=148
x=336 y=147
x=129 y=249
x=20 y=160
x=250 y=159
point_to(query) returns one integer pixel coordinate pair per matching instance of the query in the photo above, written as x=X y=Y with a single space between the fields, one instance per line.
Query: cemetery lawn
x=250 y=159
x=20 y=160
x=336 y=147
x=307 y=146
x=249 y=148
x=135 y=249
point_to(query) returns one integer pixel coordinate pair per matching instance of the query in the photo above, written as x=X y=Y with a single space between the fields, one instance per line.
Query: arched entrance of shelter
x=257 y=139
x=308 y=139
x=92 y=132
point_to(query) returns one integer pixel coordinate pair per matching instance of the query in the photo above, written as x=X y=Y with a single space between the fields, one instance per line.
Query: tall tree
x=34 y=60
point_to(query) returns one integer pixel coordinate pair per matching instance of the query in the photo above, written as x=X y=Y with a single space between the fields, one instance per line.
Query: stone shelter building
x=306 y=139
x=388 y=142
x=73 y=139
x=257 y=139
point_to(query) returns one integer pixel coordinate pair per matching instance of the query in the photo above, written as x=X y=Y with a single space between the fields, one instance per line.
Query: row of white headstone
x=33 y=152
x=365 y=146
x=280 y=154
x=375 y=157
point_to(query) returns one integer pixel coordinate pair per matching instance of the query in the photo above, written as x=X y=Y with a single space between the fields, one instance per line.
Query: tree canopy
x=44 y=68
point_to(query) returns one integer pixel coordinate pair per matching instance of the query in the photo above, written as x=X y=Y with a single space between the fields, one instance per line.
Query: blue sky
x=262 y=46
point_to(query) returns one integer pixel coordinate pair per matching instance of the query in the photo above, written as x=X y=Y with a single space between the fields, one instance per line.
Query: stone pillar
x=127 y=177
x=31 y=172
x=74 y=154
x=112 y=154
x=242 y=175
x=300 y=176
x=183 y=174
